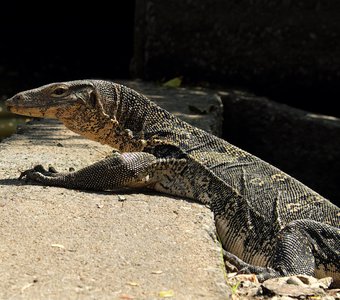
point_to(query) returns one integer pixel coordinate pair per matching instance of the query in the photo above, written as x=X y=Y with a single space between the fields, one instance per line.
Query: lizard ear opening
x=88 y=96
x=92 y=99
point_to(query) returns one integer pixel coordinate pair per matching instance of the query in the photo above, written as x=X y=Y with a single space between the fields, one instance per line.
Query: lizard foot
x=262 y=273
x=37 y=172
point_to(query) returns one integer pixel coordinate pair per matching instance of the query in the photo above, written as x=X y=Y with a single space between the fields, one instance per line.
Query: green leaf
x=235 y=287
x=174 y=82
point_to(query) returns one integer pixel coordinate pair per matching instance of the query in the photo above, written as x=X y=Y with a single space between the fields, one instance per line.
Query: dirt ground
x=67 y=244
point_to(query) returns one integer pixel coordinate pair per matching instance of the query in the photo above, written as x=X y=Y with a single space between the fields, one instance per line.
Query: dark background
x=285 y=50
x=53 y=41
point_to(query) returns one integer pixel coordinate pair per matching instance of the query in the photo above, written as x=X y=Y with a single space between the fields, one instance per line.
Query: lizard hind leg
x=292 y=255
x=262 y=273
x=309 y=247
x=302 y=247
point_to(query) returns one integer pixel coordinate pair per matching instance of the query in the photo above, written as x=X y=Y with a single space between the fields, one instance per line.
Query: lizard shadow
x=124 y=191
x=10 y=181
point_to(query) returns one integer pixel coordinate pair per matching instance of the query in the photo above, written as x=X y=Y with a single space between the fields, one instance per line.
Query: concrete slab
x=68 y=244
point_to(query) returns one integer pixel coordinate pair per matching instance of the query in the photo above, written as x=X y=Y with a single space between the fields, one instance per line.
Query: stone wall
x=288 y=50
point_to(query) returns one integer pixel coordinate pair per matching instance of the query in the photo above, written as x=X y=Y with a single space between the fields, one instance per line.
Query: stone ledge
x=65 y=244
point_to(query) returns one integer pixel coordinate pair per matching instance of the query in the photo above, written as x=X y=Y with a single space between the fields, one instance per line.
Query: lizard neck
x=140 y=122
x=101 y=128
x=146 y=120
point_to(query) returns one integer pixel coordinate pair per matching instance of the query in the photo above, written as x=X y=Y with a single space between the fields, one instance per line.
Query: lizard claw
x=24 y=174
x=33 y=173
x=29 y=174
x=51 y=169
x=40 y=168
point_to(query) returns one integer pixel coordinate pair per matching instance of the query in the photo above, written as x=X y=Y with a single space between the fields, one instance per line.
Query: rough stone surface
x=303 y=144
x=68 y=244
x=63 y=244
x=287 y=48
x=284 y=288
x=292 y=287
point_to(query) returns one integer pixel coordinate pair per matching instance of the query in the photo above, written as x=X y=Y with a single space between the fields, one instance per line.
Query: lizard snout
x=14 y=101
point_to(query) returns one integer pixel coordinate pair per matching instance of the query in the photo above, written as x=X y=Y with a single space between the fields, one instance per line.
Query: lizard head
x=100 y=110
x=54 y=100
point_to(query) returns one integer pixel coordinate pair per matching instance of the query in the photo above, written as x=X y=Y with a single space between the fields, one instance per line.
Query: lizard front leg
x=120 y=170
x=132 y=169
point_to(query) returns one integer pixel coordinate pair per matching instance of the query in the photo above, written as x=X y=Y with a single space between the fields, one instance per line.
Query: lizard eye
x=59 y=91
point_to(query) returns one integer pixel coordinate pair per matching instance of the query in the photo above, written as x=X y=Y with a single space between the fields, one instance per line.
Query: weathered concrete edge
x=220 y=290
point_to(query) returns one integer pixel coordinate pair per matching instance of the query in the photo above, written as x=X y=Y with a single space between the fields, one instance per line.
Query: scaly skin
x=270 y=223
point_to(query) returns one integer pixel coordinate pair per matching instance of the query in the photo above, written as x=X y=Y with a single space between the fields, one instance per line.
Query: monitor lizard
x=269 y=223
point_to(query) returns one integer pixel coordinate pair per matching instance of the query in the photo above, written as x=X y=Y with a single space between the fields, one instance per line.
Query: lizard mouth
x=9 y=103
x=31 y=111
x=15 y=105
x=12 y=105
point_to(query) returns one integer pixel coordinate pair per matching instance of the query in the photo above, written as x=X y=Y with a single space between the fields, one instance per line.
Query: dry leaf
x=247 y=277
x=166 y=294
x=26 y=286
x=132 y=283
x=58 y=246
x=121 y=198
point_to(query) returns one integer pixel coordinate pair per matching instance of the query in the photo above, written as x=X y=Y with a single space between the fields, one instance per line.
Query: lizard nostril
x=15 y=100
x=18 y=98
